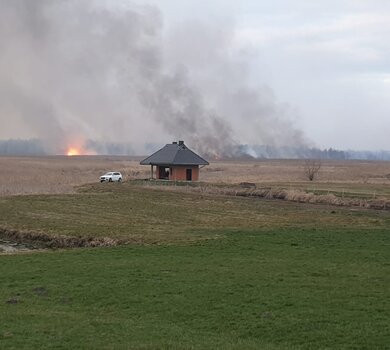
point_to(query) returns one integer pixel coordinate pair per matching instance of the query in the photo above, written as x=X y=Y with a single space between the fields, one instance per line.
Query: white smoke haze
x=86 y=73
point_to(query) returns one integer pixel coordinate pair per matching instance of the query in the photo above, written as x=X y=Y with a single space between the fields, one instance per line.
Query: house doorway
x=163 y=173
x=189 y=174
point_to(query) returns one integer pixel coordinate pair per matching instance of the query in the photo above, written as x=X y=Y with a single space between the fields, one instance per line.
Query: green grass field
x=211 y=273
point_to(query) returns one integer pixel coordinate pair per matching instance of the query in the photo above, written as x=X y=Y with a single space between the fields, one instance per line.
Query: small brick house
x=175 y=162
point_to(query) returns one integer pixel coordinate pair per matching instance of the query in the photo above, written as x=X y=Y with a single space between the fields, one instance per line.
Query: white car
x=111 y=176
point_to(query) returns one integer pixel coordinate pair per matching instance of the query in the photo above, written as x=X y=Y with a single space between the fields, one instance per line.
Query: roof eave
x=175 y=164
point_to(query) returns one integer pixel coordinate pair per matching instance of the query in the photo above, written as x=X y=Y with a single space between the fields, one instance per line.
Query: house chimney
x=174 y=143
x=181 y=143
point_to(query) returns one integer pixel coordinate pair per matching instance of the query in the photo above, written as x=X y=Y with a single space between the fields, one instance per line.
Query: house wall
x=179 y=173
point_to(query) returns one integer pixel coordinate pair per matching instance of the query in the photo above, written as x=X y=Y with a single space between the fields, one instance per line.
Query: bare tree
x=311 y=168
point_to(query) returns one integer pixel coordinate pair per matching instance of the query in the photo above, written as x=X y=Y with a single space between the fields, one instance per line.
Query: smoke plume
x=78 y=70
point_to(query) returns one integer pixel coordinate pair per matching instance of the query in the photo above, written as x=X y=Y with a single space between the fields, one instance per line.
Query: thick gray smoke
x=77 y=70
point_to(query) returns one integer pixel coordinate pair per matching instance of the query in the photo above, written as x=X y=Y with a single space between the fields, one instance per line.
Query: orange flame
x=72 y=151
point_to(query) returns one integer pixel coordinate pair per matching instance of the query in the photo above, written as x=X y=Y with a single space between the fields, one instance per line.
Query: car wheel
x=109 y=180
x=119 y=180
x=101 y=181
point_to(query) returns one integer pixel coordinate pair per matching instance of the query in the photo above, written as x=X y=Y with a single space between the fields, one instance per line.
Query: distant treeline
x=32 y=147
x=36 y=147
x=271 y=152
x=368 y=155
x=110 y=148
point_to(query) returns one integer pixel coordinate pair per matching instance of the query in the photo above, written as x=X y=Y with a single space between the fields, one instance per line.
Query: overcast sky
x=283 y=72
x=328 y=59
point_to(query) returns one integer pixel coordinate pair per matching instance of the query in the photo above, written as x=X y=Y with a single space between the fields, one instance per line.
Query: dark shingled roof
x=174 y=154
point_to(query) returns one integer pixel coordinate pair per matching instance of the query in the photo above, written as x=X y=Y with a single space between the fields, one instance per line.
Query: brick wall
x=179 y=173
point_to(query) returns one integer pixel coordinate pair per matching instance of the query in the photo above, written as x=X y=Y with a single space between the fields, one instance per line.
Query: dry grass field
x=61 y=174
x=199 y=266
